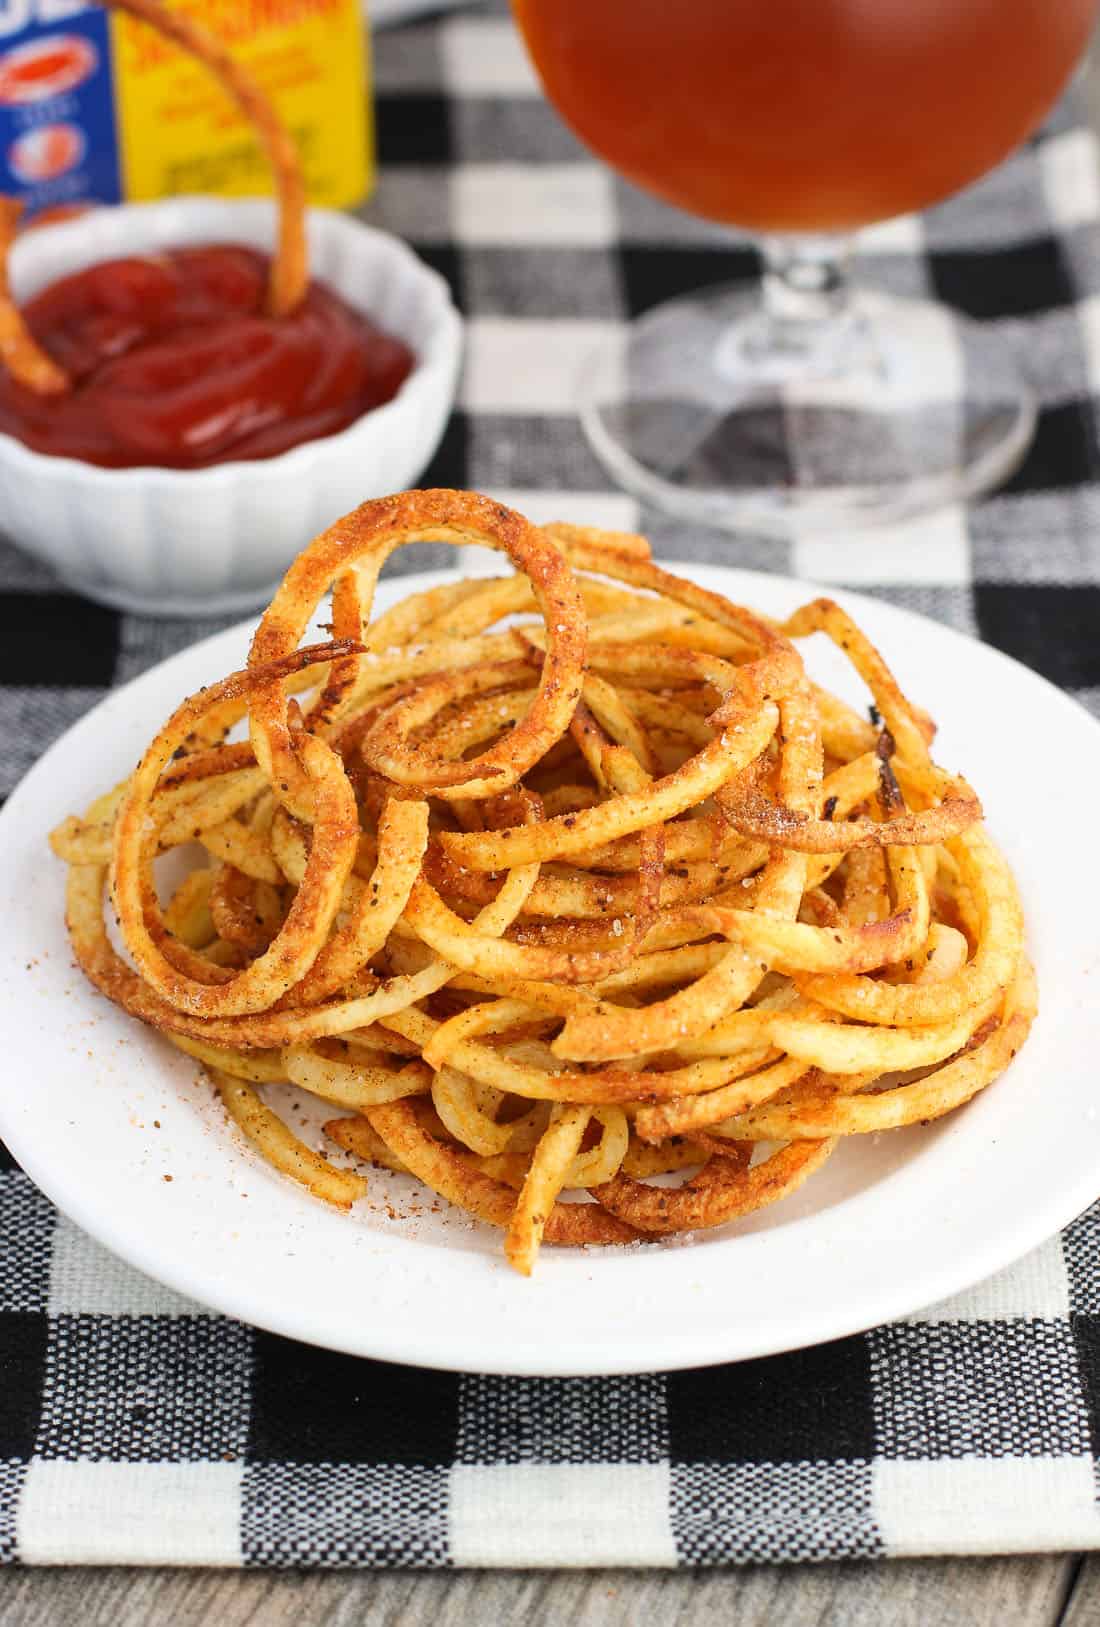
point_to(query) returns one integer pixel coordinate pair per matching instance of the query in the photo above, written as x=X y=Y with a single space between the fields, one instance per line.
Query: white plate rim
x=507 y=1344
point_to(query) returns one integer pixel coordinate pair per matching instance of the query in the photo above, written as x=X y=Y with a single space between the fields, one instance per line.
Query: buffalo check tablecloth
x=136 y=1427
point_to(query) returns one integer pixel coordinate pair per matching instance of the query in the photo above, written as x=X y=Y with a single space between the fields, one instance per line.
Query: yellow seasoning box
x=97 y=108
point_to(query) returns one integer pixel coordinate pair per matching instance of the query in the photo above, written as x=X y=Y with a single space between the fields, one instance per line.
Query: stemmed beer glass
x=802 y=403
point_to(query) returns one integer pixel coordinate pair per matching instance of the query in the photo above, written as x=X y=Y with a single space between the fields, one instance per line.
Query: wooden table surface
x=1045 y=1590
x=1031 y=1592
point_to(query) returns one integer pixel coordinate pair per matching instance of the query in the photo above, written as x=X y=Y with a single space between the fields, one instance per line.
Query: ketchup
x=174 y=363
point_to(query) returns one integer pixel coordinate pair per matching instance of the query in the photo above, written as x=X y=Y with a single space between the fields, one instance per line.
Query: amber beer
x=803 y=115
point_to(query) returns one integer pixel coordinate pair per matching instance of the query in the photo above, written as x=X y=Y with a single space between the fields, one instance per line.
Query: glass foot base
x=716 y=413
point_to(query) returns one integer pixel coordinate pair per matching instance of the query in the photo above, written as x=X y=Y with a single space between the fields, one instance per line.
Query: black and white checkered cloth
x=135 y=1427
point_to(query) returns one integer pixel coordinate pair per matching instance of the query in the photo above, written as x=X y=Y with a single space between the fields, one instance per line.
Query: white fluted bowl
x=171 y=542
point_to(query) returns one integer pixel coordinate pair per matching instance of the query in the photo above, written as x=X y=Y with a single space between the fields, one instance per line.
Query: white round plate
x=100 y=1111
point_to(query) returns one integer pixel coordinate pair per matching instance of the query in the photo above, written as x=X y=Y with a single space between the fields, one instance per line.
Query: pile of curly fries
x=554 y=884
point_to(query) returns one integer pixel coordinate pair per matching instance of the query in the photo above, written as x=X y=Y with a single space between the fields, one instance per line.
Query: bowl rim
x=442 y=347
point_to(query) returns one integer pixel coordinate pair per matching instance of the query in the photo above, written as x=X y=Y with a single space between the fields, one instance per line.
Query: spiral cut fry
x=20 y=352
x=559 y=887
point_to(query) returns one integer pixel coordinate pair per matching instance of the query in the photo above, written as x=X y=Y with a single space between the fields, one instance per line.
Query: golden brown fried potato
x=550 y=914
x=20 y=352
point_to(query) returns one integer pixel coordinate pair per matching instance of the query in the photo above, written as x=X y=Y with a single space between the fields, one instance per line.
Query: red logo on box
x=44 y=68
x=49 y=151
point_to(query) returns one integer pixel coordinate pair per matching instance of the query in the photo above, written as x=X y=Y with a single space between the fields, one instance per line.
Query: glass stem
x=806 y=279
x=806 y=327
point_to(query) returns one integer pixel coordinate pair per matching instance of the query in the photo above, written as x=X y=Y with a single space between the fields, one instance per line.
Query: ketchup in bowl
x=175 y=363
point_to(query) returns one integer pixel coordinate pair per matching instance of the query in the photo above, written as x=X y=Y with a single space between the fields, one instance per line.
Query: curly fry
x=21 y=353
